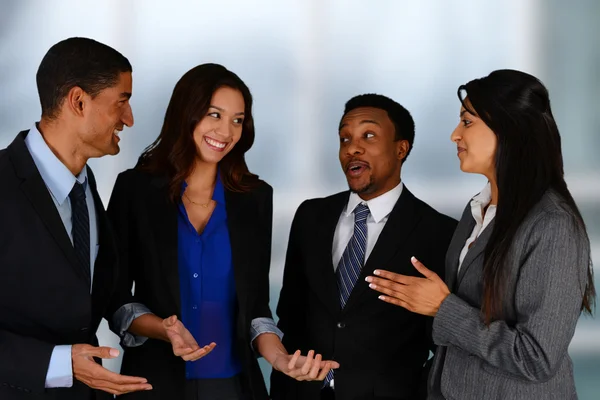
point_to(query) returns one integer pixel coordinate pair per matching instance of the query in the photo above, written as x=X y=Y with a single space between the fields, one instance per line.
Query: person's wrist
x=75 y=350
x=164 y=331
x=275 y=359
x=164 y=336
x=276 y=354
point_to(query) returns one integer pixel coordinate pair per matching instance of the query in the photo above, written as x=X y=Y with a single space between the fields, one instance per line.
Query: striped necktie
x=353 y=258
x=351 y=262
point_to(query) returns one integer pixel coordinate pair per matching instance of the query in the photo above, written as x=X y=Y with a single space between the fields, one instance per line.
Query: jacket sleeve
x=123 y=307
x=24 y=362
x=264 y=233
x=445 y=229
x=290 y=310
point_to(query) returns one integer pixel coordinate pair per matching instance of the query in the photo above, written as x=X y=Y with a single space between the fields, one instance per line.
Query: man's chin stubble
x=363 y=189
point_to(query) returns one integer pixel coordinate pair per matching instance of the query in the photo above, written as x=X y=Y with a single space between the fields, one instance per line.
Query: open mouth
x=215 y=144
x=116 y=134
x=356 y=168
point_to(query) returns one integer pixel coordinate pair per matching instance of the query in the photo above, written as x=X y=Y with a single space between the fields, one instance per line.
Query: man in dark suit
x=336 y=242
x=58 y=263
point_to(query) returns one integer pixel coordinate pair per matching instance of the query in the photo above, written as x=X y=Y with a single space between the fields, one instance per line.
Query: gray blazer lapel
x=461 y=234
x=474 y=252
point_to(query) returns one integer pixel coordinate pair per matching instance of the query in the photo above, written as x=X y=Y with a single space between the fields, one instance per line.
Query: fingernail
x=149 y=388
x=372 y=286
x=114 y=353
x=381 y=298
x=369 y=279
x=413 y=259
x=377 y=272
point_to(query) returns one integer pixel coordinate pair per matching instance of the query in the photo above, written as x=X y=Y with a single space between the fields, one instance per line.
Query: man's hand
x=419 y=295
x=87 y=371
x=184 y=344
x=304 y=368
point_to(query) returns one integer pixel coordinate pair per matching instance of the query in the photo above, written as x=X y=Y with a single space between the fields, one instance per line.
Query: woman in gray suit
x=518 y=269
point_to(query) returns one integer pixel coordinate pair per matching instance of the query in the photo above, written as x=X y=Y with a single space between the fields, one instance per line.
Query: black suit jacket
x=381 y=348
x=44 y=298
x=146 y=224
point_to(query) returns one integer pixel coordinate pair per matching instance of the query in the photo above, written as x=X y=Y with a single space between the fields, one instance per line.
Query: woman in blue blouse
x=194 y=231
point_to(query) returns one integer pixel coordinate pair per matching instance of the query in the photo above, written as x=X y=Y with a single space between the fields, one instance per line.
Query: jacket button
x=341 y=325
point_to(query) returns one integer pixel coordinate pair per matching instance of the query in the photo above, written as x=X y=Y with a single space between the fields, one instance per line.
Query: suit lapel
x=235 y=204
x=320 y=271
x=478 y=247
x=461 y=234
x=165 y=231
x=164 y=215
x=37 y=193
x=401 y=223
x=105 y=267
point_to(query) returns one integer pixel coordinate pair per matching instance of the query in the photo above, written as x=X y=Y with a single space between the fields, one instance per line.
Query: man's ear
x=76 y=101
x=402 y=148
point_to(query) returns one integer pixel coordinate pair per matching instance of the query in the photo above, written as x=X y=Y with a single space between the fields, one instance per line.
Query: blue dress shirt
x=207 y=289
x=59 y=181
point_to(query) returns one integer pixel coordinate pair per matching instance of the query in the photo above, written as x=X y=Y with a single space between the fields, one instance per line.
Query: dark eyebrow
x=126 y=94
x=222 y=110
x=364 y=121
x=463 y=112
x=369 y=121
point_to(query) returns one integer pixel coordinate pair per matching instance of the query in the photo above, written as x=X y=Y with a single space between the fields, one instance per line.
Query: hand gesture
x=304 y=368
x=184 y=344
x=87 y=371
x=419 y=295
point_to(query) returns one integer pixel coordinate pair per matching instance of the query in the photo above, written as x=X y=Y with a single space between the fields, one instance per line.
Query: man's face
x=370 y=156
x=105 y=116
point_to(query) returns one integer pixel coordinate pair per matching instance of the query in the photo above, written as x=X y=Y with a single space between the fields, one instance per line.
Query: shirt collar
x=379 y=207
x=484 y=197
x=57 y=177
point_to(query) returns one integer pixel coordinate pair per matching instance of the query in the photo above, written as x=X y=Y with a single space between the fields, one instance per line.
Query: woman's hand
x=419 y=295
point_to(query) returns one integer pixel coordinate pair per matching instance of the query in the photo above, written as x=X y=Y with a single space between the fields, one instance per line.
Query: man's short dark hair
x=404 y=124
x=81 y=62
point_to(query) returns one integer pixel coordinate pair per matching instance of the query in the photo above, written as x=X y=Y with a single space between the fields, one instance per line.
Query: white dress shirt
x=59 y=182
x=379 y=211
x=478 y=205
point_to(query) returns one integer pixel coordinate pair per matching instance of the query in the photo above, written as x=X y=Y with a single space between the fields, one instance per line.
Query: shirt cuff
x=60 y=370
x=122 y=320
x=263 y=325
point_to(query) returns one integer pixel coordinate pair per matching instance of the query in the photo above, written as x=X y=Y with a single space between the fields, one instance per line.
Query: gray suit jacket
x=523 y=356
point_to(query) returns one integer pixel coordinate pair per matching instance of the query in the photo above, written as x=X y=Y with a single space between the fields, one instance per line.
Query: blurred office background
x=303 y=59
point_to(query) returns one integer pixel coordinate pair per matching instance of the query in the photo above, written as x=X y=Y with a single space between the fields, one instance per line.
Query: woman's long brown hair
x=516 y=106
x=173 y=153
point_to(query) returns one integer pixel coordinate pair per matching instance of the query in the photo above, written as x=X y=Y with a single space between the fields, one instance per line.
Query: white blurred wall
x=303 y=59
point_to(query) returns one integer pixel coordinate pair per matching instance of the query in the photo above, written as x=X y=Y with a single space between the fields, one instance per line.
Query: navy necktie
x=353 y=258
x=80 y=229
x=351 y=262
